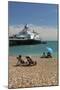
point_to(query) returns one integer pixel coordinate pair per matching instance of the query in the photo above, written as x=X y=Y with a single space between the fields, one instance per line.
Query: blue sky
x=37 y=14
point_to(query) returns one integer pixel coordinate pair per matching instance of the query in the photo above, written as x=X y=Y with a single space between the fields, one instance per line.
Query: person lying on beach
x=30 y=60
x=20 y=61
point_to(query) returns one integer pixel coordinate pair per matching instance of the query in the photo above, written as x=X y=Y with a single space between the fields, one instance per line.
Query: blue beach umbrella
x=49 y=49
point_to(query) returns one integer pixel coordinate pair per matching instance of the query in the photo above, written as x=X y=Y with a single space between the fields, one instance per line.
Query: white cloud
x=46 y=33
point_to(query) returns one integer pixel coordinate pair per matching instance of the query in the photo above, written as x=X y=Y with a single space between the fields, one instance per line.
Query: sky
x=37 y=16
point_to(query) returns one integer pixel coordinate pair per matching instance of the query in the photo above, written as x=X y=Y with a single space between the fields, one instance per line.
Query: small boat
x=25 y=37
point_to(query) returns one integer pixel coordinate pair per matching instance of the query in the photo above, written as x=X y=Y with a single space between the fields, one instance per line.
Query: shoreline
x=33 y=55
x=45 y=73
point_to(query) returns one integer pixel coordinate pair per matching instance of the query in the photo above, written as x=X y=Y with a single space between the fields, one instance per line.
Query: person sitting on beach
x=43 y=56
x=49 y=55
x=20 y=61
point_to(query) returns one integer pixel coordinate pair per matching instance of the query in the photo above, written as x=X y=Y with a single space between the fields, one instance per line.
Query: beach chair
x=21 y=62
x=30 y=61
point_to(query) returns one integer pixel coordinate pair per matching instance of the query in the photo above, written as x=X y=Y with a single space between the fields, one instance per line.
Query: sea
x=34 y=50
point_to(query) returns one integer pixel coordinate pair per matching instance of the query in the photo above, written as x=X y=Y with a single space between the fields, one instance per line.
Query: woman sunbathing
x=23 y=63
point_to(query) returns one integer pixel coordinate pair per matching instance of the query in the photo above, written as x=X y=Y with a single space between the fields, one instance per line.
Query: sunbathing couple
x=46 y=56
x=29 y=61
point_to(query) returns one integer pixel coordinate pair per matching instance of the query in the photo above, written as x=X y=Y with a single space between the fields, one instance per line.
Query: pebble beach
x=44 y=73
